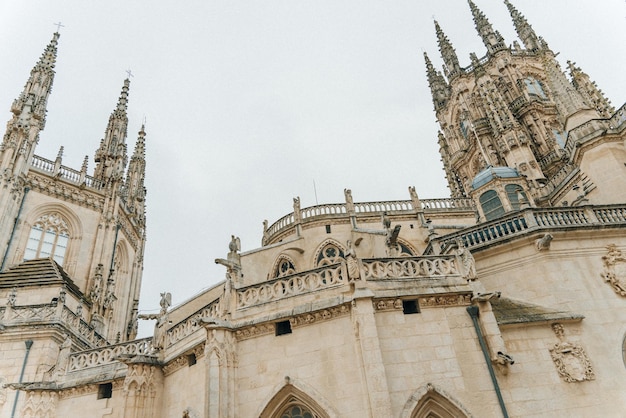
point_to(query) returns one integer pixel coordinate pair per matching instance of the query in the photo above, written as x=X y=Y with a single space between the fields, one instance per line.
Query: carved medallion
x=615 y=269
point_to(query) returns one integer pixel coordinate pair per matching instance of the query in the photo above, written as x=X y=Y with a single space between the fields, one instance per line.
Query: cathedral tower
x=88 y=231
x=509 y=121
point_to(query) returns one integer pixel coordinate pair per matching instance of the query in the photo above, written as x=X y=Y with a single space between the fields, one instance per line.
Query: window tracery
x=297 y=411
x=283 y=267
x=49 y=237
x=329 y=254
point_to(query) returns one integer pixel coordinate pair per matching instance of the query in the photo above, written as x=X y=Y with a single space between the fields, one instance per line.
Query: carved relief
x=615 y=269
x=40 y=404
x=387 y=304
x=570 y=359
x=182 y=361
x=445 y=300
x=254 y=330
x=322 y=315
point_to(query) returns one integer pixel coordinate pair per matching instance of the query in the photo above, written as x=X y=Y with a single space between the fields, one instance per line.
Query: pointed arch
x=283 y=266
x=329 y=252
x=431 y=401
x=50 y=230
x=292 y=398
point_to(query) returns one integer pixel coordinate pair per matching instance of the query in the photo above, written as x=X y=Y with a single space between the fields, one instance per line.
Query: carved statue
x=614 y=267
x=467 y=261
x=543 y=243
x=296 y=209
x=352 y=263
x=386 y=221
x=266 y=232
x=166 y=302
x=64 y=356
x=12 y=297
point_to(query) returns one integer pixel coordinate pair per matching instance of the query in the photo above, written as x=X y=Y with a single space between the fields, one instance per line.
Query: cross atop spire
x=130 y=74
x=59 y=26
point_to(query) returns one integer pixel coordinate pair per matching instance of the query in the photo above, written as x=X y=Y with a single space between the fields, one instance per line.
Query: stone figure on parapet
x=354 y=272
x=63 y=358
x=266 y=233
x=296 y=209
x=468 y=264
x=166 y=302
x=415 y=200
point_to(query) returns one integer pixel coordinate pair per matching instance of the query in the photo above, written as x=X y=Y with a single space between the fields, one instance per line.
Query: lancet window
x=48 y=237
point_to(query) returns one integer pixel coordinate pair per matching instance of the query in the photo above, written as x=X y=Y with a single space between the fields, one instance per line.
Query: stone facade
x=506 y=299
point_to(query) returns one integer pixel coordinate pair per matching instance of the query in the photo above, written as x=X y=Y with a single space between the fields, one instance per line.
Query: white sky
x=249 y=102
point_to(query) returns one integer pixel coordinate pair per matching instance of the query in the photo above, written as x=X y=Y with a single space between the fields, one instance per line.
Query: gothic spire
x=438 y=86
x=491 y=38
x=135 y=178
x=29 y=111
x=525 y=32
x=111 y=155
x=590 y=91
x=448 y=54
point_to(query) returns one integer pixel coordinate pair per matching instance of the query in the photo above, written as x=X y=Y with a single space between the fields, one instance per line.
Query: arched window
x=513 y=192
x=284 y=267
x=491 y=204
x=330 y=254
x=48 y=237
x=534 y=87
x=297 y=411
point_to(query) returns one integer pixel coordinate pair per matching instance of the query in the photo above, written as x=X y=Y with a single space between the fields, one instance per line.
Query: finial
x=60 y=154
x=59 y=26
x=130 y=74
x=85 y=163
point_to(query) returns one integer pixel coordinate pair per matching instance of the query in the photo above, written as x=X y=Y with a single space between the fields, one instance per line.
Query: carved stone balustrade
x=107 y=355
x=192 y=323
x=409 y=267
x=66 y=173
x=326 y=277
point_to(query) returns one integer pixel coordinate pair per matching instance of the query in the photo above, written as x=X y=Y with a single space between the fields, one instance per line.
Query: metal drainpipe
x=6 y=253
x=29 y=344
x=117 y=230
x=473 y=312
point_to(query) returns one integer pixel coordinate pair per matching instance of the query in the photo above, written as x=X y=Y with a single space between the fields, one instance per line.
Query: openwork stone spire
x=438 y=86
x=525 y=32
x=135 y=178
x=111 y=155
x=590 y=91
x=448 y=54
x=491 y=38
x=29 y=112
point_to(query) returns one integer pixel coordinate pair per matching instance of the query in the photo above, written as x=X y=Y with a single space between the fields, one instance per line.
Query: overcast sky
x=250 y=103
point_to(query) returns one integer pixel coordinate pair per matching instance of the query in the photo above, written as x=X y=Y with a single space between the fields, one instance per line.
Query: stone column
x=369 y=354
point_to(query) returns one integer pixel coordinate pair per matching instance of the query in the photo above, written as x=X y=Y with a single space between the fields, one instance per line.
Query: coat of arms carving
x=570 y=359
x=615 y=269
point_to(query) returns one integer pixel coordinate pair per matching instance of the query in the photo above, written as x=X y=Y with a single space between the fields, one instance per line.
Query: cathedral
x=506 y=299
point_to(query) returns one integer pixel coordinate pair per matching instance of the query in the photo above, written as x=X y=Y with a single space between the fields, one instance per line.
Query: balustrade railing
x=51 y=313
x=555 y=181
x=520 y=222
x=107 y=355
x=618 y=118
x=448 y=203
x=66 y=173
x=365 y=208
x=409 y=267
x=380 y=207
x=192 y=323
x=321 y=210
x=297 y=284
